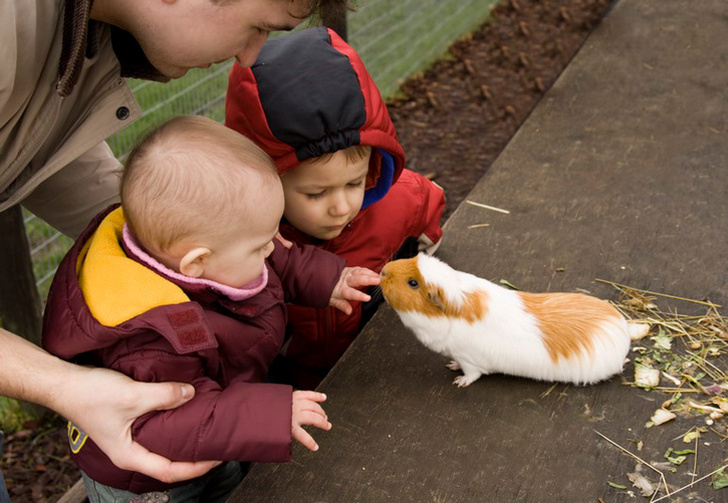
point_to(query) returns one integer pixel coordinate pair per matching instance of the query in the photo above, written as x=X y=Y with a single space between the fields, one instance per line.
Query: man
x=62 y=93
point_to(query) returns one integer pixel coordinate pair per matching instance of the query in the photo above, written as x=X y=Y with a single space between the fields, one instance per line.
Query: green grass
x=13 y=415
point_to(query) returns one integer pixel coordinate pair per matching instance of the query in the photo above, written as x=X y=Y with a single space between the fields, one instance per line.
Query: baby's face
x=322 y=197
x=238 y=257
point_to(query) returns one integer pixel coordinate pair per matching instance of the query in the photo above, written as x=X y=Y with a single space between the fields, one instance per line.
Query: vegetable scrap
x=684 y=357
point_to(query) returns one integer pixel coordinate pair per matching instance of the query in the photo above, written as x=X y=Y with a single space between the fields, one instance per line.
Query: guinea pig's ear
x=436 y=298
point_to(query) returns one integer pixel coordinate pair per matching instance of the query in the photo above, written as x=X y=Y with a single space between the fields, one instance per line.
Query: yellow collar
x=115 y=287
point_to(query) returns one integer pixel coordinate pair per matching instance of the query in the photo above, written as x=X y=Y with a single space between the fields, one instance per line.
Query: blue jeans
x=214 y=487
x=4 y=496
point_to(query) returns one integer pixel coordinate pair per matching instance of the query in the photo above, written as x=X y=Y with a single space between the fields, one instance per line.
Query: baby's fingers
x=302 y=436
x=363 y=277
x=314 y=396
x=312 y=419
x=341 y=305
x=350 y=293
x=307 y=410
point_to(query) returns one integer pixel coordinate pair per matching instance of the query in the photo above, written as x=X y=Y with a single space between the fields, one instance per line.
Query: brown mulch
x=455 y=120
x=459 y=115
x=36 y=462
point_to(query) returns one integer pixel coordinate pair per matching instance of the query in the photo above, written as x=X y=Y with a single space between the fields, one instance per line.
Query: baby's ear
x=192 y=264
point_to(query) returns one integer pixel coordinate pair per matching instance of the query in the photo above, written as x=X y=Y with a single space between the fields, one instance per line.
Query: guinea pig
x=486 y=328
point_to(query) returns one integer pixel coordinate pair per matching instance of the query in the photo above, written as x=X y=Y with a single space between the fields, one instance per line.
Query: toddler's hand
x=306 y=410
x=346 y=289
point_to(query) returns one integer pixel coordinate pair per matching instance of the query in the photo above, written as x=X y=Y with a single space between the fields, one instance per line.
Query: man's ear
x=193 y=262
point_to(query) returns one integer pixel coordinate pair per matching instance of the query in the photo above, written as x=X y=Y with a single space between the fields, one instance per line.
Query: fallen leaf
x=663 y=342
x=719 y=480
x=642 y=483
x=615 y=485
x=661 y=416
x=646 y=377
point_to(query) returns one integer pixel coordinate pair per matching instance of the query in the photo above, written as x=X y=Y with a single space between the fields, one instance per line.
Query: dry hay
x=684 y=357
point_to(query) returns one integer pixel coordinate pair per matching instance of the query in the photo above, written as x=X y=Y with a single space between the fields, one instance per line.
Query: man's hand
x=306 y=410
x=102 y=402
x=352 y=279
x=105 y=404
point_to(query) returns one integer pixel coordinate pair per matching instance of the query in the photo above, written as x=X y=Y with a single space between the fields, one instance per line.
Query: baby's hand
x=351 y=279
x=306 y=410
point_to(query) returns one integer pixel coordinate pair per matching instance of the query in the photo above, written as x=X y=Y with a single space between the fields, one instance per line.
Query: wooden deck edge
x=76 y=494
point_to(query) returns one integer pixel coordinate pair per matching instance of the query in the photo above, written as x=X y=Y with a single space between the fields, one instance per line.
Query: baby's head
x=203 y=200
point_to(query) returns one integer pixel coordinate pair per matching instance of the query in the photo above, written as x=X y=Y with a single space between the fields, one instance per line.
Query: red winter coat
x=309 y=94
x=112 y=311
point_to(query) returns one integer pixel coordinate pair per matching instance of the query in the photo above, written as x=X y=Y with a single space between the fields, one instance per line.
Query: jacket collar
x=135 y=251
x=81 y=40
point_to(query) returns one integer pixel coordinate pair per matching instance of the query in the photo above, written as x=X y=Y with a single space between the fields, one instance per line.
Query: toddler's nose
x=340 y=206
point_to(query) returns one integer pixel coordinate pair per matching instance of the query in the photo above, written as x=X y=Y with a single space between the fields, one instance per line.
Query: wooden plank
x=76 y=494
x=20 y=305
x=618 y=174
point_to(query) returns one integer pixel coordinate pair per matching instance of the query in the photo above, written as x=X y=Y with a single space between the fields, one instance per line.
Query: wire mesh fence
x=395 y=39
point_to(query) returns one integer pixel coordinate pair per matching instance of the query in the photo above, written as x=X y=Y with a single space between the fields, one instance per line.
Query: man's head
x=178 y=35
x=203 y=200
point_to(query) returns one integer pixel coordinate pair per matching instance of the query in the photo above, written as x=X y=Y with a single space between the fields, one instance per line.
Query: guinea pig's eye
x=413 y=284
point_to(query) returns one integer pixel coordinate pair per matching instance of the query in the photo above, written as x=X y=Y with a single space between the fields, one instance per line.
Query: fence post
x=20 y=307
x=333 y=15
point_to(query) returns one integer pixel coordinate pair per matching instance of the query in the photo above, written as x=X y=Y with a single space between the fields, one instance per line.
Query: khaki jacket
x=52 y=151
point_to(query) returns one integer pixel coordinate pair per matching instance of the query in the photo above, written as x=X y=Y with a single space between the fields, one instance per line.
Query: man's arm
x=102 y=402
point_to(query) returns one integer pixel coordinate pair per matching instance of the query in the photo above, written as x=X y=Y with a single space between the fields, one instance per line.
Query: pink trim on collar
x=236 y=294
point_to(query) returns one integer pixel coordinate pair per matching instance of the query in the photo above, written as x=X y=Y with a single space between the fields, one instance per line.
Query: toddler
x=310 y=104
x=187 y=282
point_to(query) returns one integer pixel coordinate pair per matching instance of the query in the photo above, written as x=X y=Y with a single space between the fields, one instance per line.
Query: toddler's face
x=238 y=257
x=323 y=196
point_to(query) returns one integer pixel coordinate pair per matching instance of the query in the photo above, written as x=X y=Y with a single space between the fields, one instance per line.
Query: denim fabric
x=215 y=487
x=4 y=496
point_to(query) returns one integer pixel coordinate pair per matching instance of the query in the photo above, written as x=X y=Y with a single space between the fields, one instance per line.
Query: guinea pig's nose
x=383 y=273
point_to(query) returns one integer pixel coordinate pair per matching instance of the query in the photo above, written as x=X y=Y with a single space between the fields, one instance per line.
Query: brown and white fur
x=485 y=328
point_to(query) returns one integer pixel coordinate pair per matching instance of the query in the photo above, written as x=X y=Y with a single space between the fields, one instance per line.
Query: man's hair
x=318 y=8
x=321 y=8
x=193 y=177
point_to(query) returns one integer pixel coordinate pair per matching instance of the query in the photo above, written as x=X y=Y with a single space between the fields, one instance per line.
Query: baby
x=186 y=281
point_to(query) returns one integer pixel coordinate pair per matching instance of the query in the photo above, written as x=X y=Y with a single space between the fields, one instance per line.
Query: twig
x=695 y=461
x=475 y=226
x=702 y=302
x=704 y=407
x=548 y=391
x=492 y=208
x=626 y=451
x=691 y=484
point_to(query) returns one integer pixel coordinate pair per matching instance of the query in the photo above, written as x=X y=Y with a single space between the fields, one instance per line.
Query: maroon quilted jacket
x=109 y=310
x=309 y=94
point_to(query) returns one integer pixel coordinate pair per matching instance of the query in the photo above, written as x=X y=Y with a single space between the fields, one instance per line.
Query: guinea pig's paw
x=465 y=380
x=453 y=365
